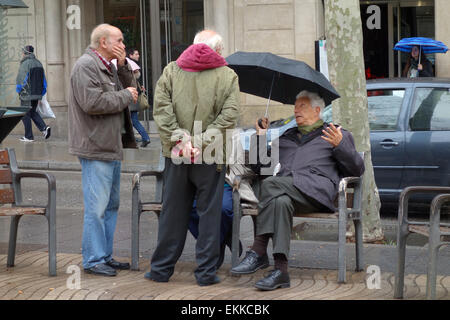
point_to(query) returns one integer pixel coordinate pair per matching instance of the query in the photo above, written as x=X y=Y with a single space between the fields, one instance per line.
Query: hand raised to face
x=120 y=54
x=333 y=135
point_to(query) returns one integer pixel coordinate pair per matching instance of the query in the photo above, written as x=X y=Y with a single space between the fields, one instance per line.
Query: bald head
x=106 y=39
x=103 y=31
x=211 y=38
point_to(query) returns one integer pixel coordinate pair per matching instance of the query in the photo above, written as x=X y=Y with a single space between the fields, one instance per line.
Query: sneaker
x=145 y=143
x=23 y=139
x=47 y=132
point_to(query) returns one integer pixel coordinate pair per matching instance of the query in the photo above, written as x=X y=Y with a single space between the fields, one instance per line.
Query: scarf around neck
x=304 y=130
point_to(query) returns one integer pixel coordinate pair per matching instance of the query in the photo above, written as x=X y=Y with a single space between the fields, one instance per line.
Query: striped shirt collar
x=103 y=60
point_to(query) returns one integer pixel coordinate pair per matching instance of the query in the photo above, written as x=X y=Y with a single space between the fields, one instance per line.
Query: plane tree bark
x=346 y=70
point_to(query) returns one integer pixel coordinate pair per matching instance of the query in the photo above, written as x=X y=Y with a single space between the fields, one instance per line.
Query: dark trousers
x=32 y=115
x=280 y=199
x=181 y=184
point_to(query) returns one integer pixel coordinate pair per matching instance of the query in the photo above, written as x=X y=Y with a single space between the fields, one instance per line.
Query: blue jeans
x=137 y=124
x=101 y=192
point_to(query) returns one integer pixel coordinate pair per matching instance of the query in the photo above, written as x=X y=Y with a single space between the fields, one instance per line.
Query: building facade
x=162 y=29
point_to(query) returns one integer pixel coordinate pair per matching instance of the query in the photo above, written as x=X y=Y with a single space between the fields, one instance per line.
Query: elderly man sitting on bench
x=313 y=158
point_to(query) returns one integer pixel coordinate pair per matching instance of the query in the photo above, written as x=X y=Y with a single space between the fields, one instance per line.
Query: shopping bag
x=143 y=101
x=44 y=109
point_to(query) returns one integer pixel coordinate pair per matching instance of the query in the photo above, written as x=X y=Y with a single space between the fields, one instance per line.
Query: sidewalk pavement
x=316 y=260
x=54 y=155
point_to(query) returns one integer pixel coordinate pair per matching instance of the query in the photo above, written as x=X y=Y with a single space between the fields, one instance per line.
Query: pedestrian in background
x=99 y=128
x=31 y=85
x=418 y=65
x=133 y=54
x=198 y=87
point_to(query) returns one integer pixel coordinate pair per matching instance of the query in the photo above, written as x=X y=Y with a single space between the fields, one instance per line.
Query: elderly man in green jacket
x=197 y=93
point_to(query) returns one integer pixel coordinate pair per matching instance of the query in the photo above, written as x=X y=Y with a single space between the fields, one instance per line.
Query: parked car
x=409 y=133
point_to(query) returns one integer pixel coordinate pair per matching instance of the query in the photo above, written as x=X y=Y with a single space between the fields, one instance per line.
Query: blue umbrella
x=426 y=44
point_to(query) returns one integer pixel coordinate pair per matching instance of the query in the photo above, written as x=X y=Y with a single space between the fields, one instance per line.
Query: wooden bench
x=434 y=230
x=350 y=194
x=11 y=204
x=349 y=209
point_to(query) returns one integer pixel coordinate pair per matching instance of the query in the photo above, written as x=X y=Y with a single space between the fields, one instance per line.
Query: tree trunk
x=346 y=70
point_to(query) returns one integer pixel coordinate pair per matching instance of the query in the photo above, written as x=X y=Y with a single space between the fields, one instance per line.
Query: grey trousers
x=279 y=200
x=181 y=184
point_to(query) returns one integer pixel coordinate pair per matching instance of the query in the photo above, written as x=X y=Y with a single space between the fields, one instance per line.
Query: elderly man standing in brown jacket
x=99 y=128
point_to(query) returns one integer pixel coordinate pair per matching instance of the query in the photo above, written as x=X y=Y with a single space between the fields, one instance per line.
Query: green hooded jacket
x=210 y=96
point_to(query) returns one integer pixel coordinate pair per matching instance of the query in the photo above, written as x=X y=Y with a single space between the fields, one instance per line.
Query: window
x=431 y=111
x=384 y=108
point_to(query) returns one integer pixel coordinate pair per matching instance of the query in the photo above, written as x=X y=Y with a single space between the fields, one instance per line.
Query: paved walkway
x=28 y=280
x=312 y=263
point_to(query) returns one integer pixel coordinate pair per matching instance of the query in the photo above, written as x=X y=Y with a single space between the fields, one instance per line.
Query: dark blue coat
x=316 y=166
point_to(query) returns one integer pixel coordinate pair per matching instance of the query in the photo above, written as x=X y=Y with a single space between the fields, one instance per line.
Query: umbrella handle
x=420 y=54
x=270 y=96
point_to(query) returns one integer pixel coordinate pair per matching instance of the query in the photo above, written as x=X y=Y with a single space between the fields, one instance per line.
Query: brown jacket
x=99 y=121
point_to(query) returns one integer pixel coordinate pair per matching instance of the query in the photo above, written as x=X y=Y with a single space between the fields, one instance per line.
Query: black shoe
x=276 y=279
x=148 y=276
x=145 y=143
x=214 y=281
x=102 y=269
x=251 y=263
x=118 y=265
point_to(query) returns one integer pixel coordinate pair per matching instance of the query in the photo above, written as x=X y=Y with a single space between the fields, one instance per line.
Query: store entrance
x=387 y=22
x=161 y=30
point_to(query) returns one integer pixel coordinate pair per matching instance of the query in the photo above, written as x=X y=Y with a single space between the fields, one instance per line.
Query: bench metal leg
x=401 y=256
x=51 y=218
x=432 y=270
x=237 y=215
x=434 y=243
x=12 y=241
x=135 y=219
x=342 y=263
x=359 y=245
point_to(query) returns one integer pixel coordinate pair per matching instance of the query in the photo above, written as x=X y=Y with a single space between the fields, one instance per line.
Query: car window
x=431 y=110
x=384 y=108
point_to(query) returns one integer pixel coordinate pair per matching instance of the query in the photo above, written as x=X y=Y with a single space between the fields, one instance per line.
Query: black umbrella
x=270 y=76
x=9 y=4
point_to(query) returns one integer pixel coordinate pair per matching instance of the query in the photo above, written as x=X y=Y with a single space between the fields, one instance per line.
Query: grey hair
x=211 y=38
x=314 y=99
x=99 y=32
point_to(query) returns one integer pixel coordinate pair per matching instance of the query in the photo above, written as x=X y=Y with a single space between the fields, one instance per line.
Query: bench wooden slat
x=4 y=157
x=9 y=212
x=5 y=176
x=254 y=212
x=152 y=207
x=6 y=196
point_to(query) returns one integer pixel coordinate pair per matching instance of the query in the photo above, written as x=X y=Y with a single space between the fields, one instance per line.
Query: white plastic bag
x=44 y=109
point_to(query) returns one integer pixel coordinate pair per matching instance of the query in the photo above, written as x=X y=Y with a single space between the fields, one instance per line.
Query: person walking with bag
x=31 y=85
x=136 y=107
